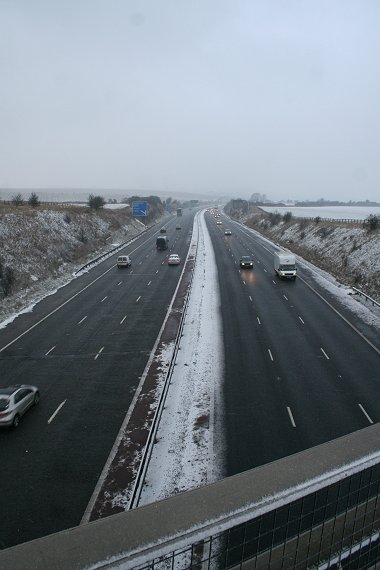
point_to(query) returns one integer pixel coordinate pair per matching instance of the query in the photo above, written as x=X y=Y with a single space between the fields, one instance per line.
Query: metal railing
x=367 y=297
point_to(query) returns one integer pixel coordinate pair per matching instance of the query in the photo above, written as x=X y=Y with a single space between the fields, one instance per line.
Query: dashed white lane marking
x=291 y=416
x=149 y=283
x=119 y=283
x=285 y=297
x=99 y=353
x=123 y=319
x=258 y=320
x=273 y=281
x=303 y=322
x=130 y=273
x=104 y=298
x=49 y=351
x=270 y=354
x=81 y=321
x=157 y=271
x=243 y=282
x=365 y=413
x=138 y=298
x=265 y=270
x=56 y=411
x=250 y=298
x=325 y=354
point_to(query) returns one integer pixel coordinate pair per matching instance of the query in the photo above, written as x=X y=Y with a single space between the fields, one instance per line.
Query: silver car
x=15 y=401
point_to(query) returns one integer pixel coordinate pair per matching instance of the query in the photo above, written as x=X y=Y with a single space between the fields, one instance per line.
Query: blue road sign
x=139 y=208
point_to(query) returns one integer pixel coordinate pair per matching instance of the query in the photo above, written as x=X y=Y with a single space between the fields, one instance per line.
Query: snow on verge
x=187 y=453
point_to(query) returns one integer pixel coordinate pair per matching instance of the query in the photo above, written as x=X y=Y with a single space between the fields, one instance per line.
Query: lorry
x=179 y=211
x=285 y=265
x=162 y=242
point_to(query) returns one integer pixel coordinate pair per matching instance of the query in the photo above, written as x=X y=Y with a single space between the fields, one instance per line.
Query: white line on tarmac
x=325 y=354
x=250 y=298
x=138 y=299
x=365 y=413
x=270 y=354
x=258 y=320
x=303 y=322
x=285 y=297
x=274 y=281
x=149 y=283
x=49 y=351
x=99 y=353
x=56 y=411
x=104 y=298
x=119 y=283
x=81 y=321
x=291 y=416
x=123 y=319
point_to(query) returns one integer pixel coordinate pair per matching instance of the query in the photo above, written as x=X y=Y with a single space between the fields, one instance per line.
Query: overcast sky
x=232 y=97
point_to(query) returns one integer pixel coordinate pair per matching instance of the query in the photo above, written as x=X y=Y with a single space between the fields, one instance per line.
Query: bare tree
x=17 y=199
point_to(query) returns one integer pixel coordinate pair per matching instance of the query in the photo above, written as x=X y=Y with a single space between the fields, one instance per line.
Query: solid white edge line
x=365 y=413
x=291 y=416
x=56 y=411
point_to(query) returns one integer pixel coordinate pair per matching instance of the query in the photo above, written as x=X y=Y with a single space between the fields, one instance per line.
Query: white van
x=285 y=265
x=123 y=261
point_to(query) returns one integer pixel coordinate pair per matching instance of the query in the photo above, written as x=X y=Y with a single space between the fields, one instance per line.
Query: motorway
x=85 y=347
x=296 y=373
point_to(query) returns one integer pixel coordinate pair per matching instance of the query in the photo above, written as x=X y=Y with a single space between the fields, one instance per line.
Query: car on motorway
x=163 y=231
x=246 y=262
x=178 y=227
x=15 y=401
x=227 y=233
x=219 y=222
x=123 y=261
x=174 y=259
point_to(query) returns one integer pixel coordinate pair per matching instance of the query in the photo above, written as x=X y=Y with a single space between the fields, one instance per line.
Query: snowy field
x=334 y=212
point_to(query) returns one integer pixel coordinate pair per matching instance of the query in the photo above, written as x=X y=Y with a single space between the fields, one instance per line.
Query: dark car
x=246 y=262
x=15 y=401
x=163 y=231
x=162 y=242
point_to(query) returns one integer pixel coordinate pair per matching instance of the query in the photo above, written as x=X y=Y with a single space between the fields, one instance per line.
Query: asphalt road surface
x=85 y=348
x=296 y=373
